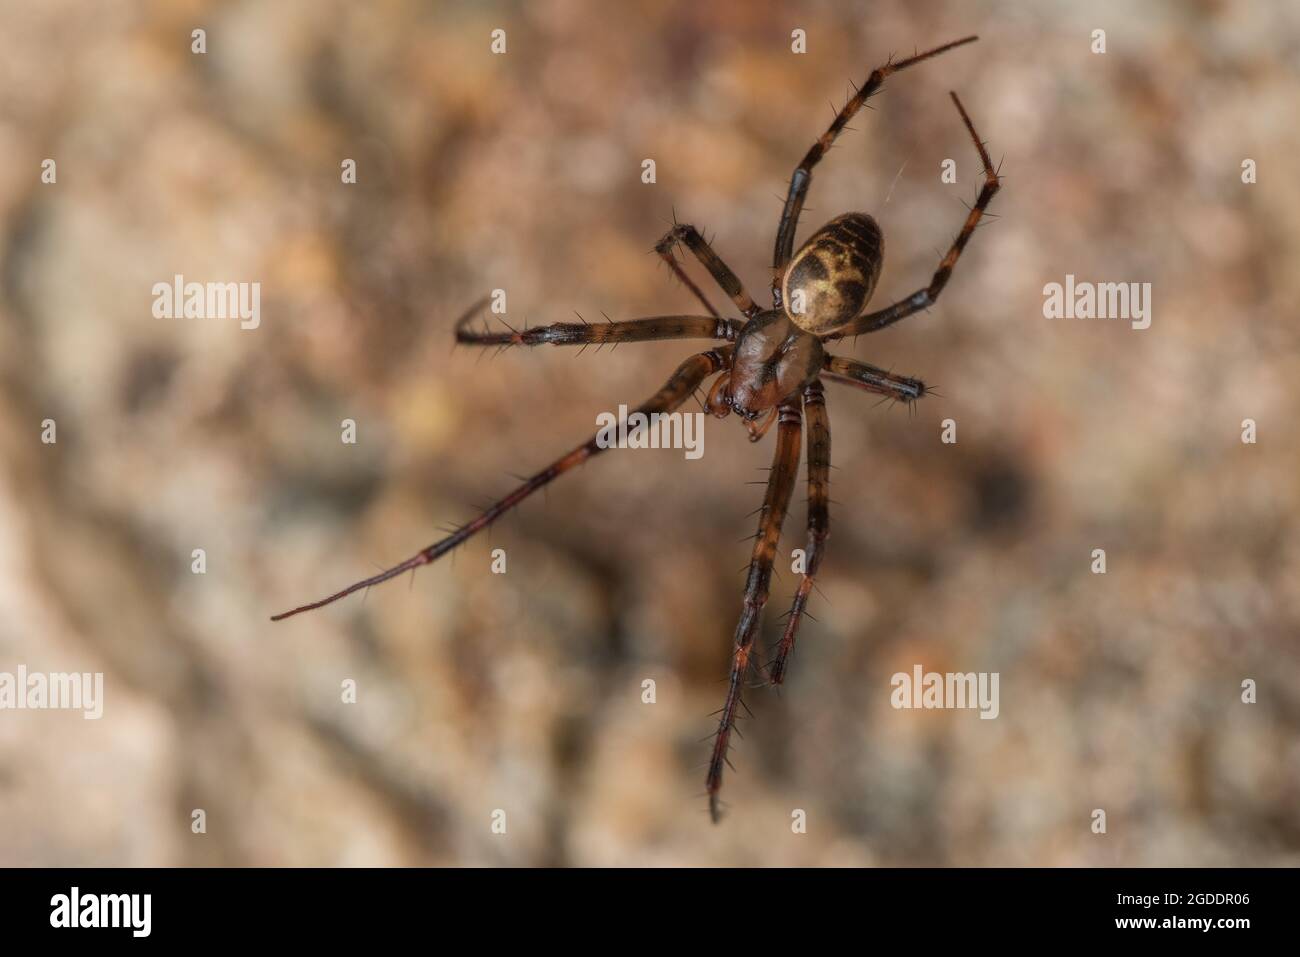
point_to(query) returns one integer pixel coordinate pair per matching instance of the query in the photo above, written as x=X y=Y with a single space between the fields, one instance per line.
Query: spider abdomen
x=832 y=276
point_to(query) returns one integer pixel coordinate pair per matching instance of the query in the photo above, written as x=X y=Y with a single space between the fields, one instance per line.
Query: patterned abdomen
x=832 y=276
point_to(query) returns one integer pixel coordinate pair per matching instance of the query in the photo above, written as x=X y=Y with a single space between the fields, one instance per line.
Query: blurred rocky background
x=523 y=692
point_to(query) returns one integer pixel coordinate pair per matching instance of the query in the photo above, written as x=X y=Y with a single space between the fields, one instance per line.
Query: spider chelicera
x=771 y=366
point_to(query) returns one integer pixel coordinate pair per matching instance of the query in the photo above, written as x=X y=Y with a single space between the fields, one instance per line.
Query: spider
x=771 y=370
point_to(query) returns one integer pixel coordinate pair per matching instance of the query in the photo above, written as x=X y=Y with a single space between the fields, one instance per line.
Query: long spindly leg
x=924 y=298
x=678 y=388
x=586 y=333
x=726 y=279
x=871 y=379
x=785 y=466
x=819 y=487
x=803 y=172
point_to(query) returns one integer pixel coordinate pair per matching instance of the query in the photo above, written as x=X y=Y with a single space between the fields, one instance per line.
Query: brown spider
x=772 y=367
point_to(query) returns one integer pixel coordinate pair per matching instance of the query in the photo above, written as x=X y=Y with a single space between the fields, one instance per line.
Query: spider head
x=831 y=278
x=772 y=361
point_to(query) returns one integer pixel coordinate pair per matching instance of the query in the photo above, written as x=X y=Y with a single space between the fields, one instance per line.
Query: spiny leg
x=678 y=388
x=819 y=485
x=663 y=249
x=924 y=298
x=585 y=333
x=802 y=177
x=722 y=274
x=785 y=466
x=871 y=379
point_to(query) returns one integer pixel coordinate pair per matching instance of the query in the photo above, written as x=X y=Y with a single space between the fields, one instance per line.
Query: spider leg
x=802 y=176
x=819 y=482
x=677 y=390
x=722 y=274
x=924 y=298
x=579 y=333
x=870 y=379
x=785 y=466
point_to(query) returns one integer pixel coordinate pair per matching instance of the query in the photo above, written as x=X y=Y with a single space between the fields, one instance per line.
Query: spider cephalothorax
x=772 y=361
x=770 y=370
